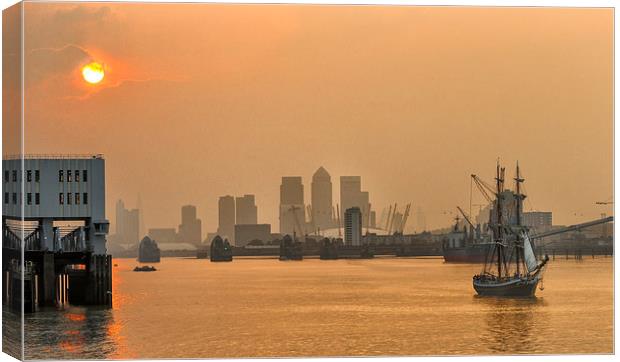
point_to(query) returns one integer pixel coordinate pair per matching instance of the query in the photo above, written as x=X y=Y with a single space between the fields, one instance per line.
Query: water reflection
x=73 y=333
x=513 y=325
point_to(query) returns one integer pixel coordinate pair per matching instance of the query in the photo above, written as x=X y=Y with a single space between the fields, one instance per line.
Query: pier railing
x=11 y=240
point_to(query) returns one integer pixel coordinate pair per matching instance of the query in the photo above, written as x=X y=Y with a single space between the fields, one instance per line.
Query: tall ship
x=510 y=267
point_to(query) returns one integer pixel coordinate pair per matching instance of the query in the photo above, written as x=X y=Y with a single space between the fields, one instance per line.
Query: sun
x=93 y=72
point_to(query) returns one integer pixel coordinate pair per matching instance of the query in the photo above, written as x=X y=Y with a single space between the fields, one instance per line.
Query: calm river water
x=383 y=306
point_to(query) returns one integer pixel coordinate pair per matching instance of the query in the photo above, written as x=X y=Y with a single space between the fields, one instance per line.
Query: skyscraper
x=292 y=209
x=351 y=195
x=120 y=213
x=190 y=230
x=226 y=218
x=127 y=224
x=246 y=210
x=322 y=199
x=353 y=226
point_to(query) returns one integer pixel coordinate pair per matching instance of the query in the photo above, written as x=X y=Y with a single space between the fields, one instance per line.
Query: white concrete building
x=57 y=189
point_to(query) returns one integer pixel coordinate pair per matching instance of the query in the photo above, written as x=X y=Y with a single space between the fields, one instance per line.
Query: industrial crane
x=484 y=188
x=465 y=216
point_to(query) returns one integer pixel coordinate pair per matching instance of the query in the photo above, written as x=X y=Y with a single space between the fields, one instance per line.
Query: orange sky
x=206 y=100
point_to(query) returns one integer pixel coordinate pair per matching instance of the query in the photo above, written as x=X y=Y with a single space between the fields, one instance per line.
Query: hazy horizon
x=205 y=100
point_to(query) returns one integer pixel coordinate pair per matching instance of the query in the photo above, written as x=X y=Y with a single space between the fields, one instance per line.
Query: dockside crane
x=485 y=188
x=465 y=216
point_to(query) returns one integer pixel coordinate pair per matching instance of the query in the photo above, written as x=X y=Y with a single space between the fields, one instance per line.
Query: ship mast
x=518 y=181
x=499 y=236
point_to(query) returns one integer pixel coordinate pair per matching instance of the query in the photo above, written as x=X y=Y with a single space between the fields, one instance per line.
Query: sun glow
x=93 y=72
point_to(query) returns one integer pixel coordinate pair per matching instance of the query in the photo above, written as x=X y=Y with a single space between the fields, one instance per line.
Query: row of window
x=29 y=174
x=37 y=198
x=70 y=176
x=71 y=198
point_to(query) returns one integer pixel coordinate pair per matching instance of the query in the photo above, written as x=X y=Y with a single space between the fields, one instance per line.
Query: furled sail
x=528 y=253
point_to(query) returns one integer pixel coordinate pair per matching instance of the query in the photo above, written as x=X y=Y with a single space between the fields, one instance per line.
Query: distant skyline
x=204 y=100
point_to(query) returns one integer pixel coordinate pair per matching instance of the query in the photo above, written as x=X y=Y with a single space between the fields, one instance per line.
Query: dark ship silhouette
x=291 y=249
x=220 y=250
x=148 y=251
x=328 y=249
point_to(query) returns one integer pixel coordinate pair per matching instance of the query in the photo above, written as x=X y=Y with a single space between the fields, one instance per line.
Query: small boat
x=144 y=268
x=510 y=268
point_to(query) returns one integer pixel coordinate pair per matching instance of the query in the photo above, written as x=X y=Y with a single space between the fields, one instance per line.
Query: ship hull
x=467 y=254
x=511 y=288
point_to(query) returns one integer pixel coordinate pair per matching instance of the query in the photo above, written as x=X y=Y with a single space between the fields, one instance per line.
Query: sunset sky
x=204 y=100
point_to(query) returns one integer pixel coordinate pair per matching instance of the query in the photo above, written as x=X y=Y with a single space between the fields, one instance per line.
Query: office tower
x=226 y=218
x=127 y=224
x=353 y=226
x=246 y=210
x=245 y=233
x=351 y=195
x=292 y=209
x=190 y=230
x=120 y=213
x=322 y=199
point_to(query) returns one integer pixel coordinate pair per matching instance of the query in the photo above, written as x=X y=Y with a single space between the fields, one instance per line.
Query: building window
x=6 y=175
x=68 y=175
x=37 y=176
x=85 y=175
x=61 y=176
x=29 y=198
x=37 y=198
x=85 y=198
x=61 y=198
x=14 y=176
x=6 y=197
x=14 y=198
x=68 y=198
x=77 y=198
x=29 y=176
x=77 y=175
